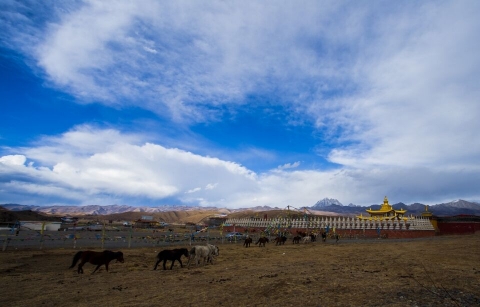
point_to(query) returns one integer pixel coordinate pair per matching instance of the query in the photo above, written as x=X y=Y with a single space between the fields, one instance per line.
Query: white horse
x=306 y=239
x=203 y=254
x=214 y=252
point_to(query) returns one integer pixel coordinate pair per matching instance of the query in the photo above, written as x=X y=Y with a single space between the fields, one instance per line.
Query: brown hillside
x=198 y=216
x=181 y=217
x=27 y=215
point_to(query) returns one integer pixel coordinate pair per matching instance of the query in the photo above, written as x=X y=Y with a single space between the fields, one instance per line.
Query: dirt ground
x=442 y=271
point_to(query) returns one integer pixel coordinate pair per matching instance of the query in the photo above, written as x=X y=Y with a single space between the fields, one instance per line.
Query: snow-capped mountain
x=460 y=203
x=99 y=210
x=325 y=203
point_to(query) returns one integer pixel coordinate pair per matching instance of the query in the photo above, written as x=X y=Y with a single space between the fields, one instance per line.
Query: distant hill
x=105 y=210
x=182 y=217
x=184 y=214
x=24 y=215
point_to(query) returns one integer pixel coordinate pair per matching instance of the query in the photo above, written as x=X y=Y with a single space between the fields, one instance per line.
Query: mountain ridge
x=326 y=205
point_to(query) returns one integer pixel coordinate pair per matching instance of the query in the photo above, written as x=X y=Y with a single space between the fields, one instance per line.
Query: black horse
x=296 y=239
x=262 y=241
x=98 y=258
x=171 y=254
x=280 y=240
x=247 y=242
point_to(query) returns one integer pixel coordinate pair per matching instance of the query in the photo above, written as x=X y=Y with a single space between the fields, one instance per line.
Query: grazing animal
x=296 y=239
x=280 y=240
x=171 y=254
x=313 y=237
x=203 y=254
x=214 y=252
x=98 y=258
x=324 y=236
x=301 y=233
x=306 y=239
x=247 y=242
x=262 y=241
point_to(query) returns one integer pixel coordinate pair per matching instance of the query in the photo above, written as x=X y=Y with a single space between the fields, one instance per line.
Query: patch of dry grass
x=428 y=272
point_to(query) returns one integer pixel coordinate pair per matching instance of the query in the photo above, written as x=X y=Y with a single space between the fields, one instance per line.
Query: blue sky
x=239 y=103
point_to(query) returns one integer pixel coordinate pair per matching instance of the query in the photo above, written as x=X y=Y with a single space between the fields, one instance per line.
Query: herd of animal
x=199 y=254
x=281 y=239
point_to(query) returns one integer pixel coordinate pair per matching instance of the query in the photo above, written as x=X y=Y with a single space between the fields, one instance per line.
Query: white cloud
x=417 y=103
x=111 y=165
x=122 y=168
x=199 y=56
x=211 y=186
x=13 y=160
x=402 y=70
x=194 y=190
x=393 y=91
x=289 y=165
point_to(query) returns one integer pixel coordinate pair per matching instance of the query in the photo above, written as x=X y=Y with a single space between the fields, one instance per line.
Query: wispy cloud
x=391 y=91
x=289 y=165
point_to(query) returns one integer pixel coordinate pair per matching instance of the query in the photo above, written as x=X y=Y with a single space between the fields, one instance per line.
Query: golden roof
x=385 y=208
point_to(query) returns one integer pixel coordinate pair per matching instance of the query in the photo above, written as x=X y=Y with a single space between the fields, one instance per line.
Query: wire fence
x=133 y=238
x=30 y=239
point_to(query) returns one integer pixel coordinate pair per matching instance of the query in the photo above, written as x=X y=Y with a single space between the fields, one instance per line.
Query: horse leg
x=80 y=267
x=156 y=264
x=96 y=268
x=164 y=262
x=180 y=260
x=173 y=261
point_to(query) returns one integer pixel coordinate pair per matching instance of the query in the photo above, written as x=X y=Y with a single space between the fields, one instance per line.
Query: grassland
x=423 y=272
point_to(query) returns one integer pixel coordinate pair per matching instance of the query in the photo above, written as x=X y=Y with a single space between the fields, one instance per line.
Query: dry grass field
x=440 y=271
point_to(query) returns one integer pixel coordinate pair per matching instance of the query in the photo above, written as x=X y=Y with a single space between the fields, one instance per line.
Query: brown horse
x=324 y=236
x=262 y=241
x=247 y=242
x=280 y=240
x=98 y=258
x=171 y=254
x=301 y=233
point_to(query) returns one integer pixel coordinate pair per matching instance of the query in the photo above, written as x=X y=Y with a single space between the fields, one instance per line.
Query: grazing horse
x=306 y=239
x=247 y=242
x=313 y=237
x=171 y=254
x=262 y=241
x=214 y=251
x=296 y=239
x=324 y=236
x=301 y=233
x=203 y=254
x=98 y=258
x=280 y=240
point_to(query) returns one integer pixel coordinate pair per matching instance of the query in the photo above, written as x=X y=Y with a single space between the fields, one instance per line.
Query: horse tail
x=76 y=258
